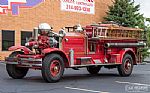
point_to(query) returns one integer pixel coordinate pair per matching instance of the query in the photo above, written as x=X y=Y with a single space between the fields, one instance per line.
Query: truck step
x=83 y=60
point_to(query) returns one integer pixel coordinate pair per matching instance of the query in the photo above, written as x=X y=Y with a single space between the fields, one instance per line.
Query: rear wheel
x=52 y=68
x=93 y=69
x=14 y=71
x=125 y=69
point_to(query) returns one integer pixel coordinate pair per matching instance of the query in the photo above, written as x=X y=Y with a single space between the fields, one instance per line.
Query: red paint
x=55 y=68
x=84 y=47
x=25 y=49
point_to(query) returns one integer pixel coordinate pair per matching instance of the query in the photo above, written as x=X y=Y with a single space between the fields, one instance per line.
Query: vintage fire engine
x=93 y=47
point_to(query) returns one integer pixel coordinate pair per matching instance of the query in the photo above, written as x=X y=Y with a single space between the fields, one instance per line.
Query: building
x=18 y=17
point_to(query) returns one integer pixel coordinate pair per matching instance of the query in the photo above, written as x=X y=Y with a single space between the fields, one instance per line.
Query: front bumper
x=24 y=62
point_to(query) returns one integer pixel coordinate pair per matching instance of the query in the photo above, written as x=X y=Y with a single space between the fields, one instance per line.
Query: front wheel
x=52 y=68
x=125 y=69
x=13 y=70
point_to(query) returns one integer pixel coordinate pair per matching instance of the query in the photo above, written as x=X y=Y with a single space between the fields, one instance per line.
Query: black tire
x=93 y=69
x=125 y=69
x=14 y=71
x=52 y=68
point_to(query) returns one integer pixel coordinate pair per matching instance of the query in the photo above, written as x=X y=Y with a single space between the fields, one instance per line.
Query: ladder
x=118 y=32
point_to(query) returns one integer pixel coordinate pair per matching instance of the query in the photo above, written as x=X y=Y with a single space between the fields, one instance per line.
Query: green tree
x=148 y=19
x=125 y=13
x=148 y=36
x=148 y=32
x=144 y=51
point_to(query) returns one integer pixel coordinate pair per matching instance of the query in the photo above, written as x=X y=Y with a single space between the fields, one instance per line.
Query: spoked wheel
x=13 y=70
x=52 y=68
x=93 y=69
x=55 y=68
x=125 y=69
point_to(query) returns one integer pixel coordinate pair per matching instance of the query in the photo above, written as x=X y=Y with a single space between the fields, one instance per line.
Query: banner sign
x=81 y=6
x=14 y=5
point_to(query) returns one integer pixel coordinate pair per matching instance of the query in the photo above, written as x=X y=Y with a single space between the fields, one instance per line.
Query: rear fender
x=129 y=51
x=25 y=49
x=57 y=51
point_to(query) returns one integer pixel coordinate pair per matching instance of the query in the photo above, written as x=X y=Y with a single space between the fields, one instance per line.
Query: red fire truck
x=93 y=46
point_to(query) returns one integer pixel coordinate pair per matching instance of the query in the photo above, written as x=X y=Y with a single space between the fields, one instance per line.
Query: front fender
x=25 y=49
x=129 y=51
x=57 y=51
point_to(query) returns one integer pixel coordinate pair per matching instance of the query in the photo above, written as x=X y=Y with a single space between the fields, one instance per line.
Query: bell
x=79 y=28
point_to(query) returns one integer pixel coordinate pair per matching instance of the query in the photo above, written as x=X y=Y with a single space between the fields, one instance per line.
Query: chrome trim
x=71 y=51
x=31 y=65
x=24 y=64
x=6 y=62
x=29 y=62
x=95 y=65
x=30 y=59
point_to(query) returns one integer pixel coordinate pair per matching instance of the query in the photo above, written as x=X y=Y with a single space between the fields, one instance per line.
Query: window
x=8 y=39
x=24 y=36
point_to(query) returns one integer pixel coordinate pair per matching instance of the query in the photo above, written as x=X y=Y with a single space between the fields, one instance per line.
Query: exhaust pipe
x=35 y=33
x=124 y=45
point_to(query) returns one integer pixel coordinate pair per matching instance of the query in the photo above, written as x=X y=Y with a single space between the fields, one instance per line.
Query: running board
x=94 y=65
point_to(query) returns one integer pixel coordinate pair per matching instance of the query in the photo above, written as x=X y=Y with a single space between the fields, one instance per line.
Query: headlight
x=26 y=44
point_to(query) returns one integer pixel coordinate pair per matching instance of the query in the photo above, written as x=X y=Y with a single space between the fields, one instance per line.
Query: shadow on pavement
x=66 y=78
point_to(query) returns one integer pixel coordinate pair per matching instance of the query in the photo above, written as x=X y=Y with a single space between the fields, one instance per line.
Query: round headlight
x=26 y=44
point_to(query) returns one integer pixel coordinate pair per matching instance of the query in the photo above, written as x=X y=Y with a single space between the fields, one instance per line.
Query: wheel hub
x=127 y=65
x=55 y=68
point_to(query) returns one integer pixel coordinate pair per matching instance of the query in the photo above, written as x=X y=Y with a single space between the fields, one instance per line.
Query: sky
x=144 y=7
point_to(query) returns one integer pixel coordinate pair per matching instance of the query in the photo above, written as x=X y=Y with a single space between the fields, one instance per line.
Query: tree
x=148 y=19
x=148 y=31
x=125 y=13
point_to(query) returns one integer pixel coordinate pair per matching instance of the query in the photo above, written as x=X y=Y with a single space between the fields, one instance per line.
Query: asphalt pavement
x=79 y=81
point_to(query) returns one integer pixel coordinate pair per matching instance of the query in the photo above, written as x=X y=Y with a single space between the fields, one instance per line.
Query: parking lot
x=79 y=81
